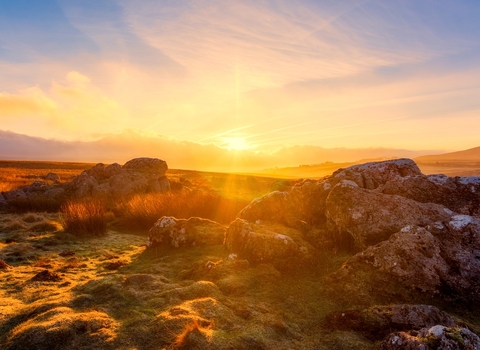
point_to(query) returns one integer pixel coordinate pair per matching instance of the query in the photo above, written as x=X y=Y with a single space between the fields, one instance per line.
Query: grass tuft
x=88 y=217
x=194 y=336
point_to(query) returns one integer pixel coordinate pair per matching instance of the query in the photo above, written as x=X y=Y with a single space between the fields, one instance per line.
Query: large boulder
x=139 y=175
x=372 y=217
x=152 y=168
x=378 y=321
x=274 y=206
x=15 y=195
x=185 y=232
x=372 y=175
x=439 y=260
x=437 y=337
x=460 y=194
x=260 y=242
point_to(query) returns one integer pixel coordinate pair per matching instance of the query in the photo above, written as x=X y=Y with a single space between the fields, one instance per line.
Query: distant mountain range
x=182 y=154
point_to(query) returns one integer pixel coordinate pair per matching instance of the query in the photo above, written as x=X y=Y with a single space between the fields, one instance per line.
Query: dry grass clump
x=194 y=336
x=143 y=210
x=84 y=218
x=61 y=328
x=44 y=226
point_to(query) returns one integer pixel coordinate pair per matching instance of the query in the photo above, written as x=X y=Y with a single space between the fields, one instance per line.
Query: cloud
x=73 y=109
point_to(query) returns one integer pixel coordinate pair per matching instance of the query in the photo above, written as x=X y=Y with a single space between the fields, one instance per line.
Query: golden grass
x=143 y=210
x=16 y=174
x=194 y=336
x=88 y=217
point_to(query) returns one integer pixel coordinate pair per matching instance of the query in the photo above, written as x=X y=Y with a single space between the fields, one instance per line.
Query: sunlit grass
x=87 y=217
x=143 y=210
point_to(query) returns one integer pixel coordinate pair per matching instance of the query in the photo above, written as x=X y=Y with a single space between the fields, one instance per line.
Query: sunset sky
x=254 y=75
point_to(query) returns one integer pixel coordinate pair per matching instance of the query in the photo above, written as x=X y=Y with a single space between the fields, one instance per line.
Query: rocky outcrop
x=184 y=233
x=378 y=321
x=417 y=232
x=437 y=337
x=261 y=242
x=371 y=217
x=138 y=175
x=307 y=201
x=437 y=260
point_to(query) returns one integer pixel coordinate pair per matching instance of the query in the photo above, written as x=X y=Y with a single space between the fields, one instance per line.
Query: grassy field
x=61 y=288
x=15 y=174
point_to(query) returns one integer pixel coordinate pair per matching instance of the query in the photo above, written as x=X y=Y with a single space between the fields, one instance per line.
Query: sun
x=236 y=143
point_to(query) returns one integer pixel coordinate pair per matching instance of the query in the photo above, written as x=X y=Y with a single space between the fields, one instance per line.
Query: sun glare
x=236 y=143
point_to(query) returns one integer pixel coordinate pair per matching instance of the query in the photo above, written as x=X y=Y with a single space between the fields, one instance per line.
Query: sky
x=254 y=76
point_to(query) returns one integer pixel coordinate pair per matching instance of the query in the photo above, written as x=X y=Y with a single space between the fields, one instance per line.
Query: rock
x=14 y=195
x=272 y=207
x=153 y=167
x=84 y=185
x=460 y=194
x=54 y=193
x=260 y=243
x=378 y=321
x=97 y=172
x=182 y=232
x=440 y=260
x=437 y=337
x=112 y=169
x=160 y=185
x=52 y=177
x=374 y=174
x=371 y=217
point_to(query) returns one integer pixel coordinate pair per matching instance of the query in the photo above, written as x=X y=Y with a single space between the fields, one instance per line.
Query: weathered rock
x=460 y=194
x=372 y=217
x=259 y=243
x=306 y=201
x=84 y=185
x=183 y=233
x=112 y=170
x=54 y=193
x=378 y=321
x=372 y=175
x=272 y=207
x=14 y=195
x=154 y=168
x=443 y=260
x=437 y=337
x=98 y=172
x=52 y=177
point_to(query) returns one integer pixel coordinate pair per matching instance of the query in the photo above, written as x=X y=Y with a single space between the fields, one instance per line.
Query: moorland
x=265 y=263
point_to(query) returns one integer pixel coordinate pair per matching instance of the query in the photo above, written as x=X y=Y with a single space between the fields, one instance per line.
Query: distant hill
x=469 y=155
x=460 y=163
